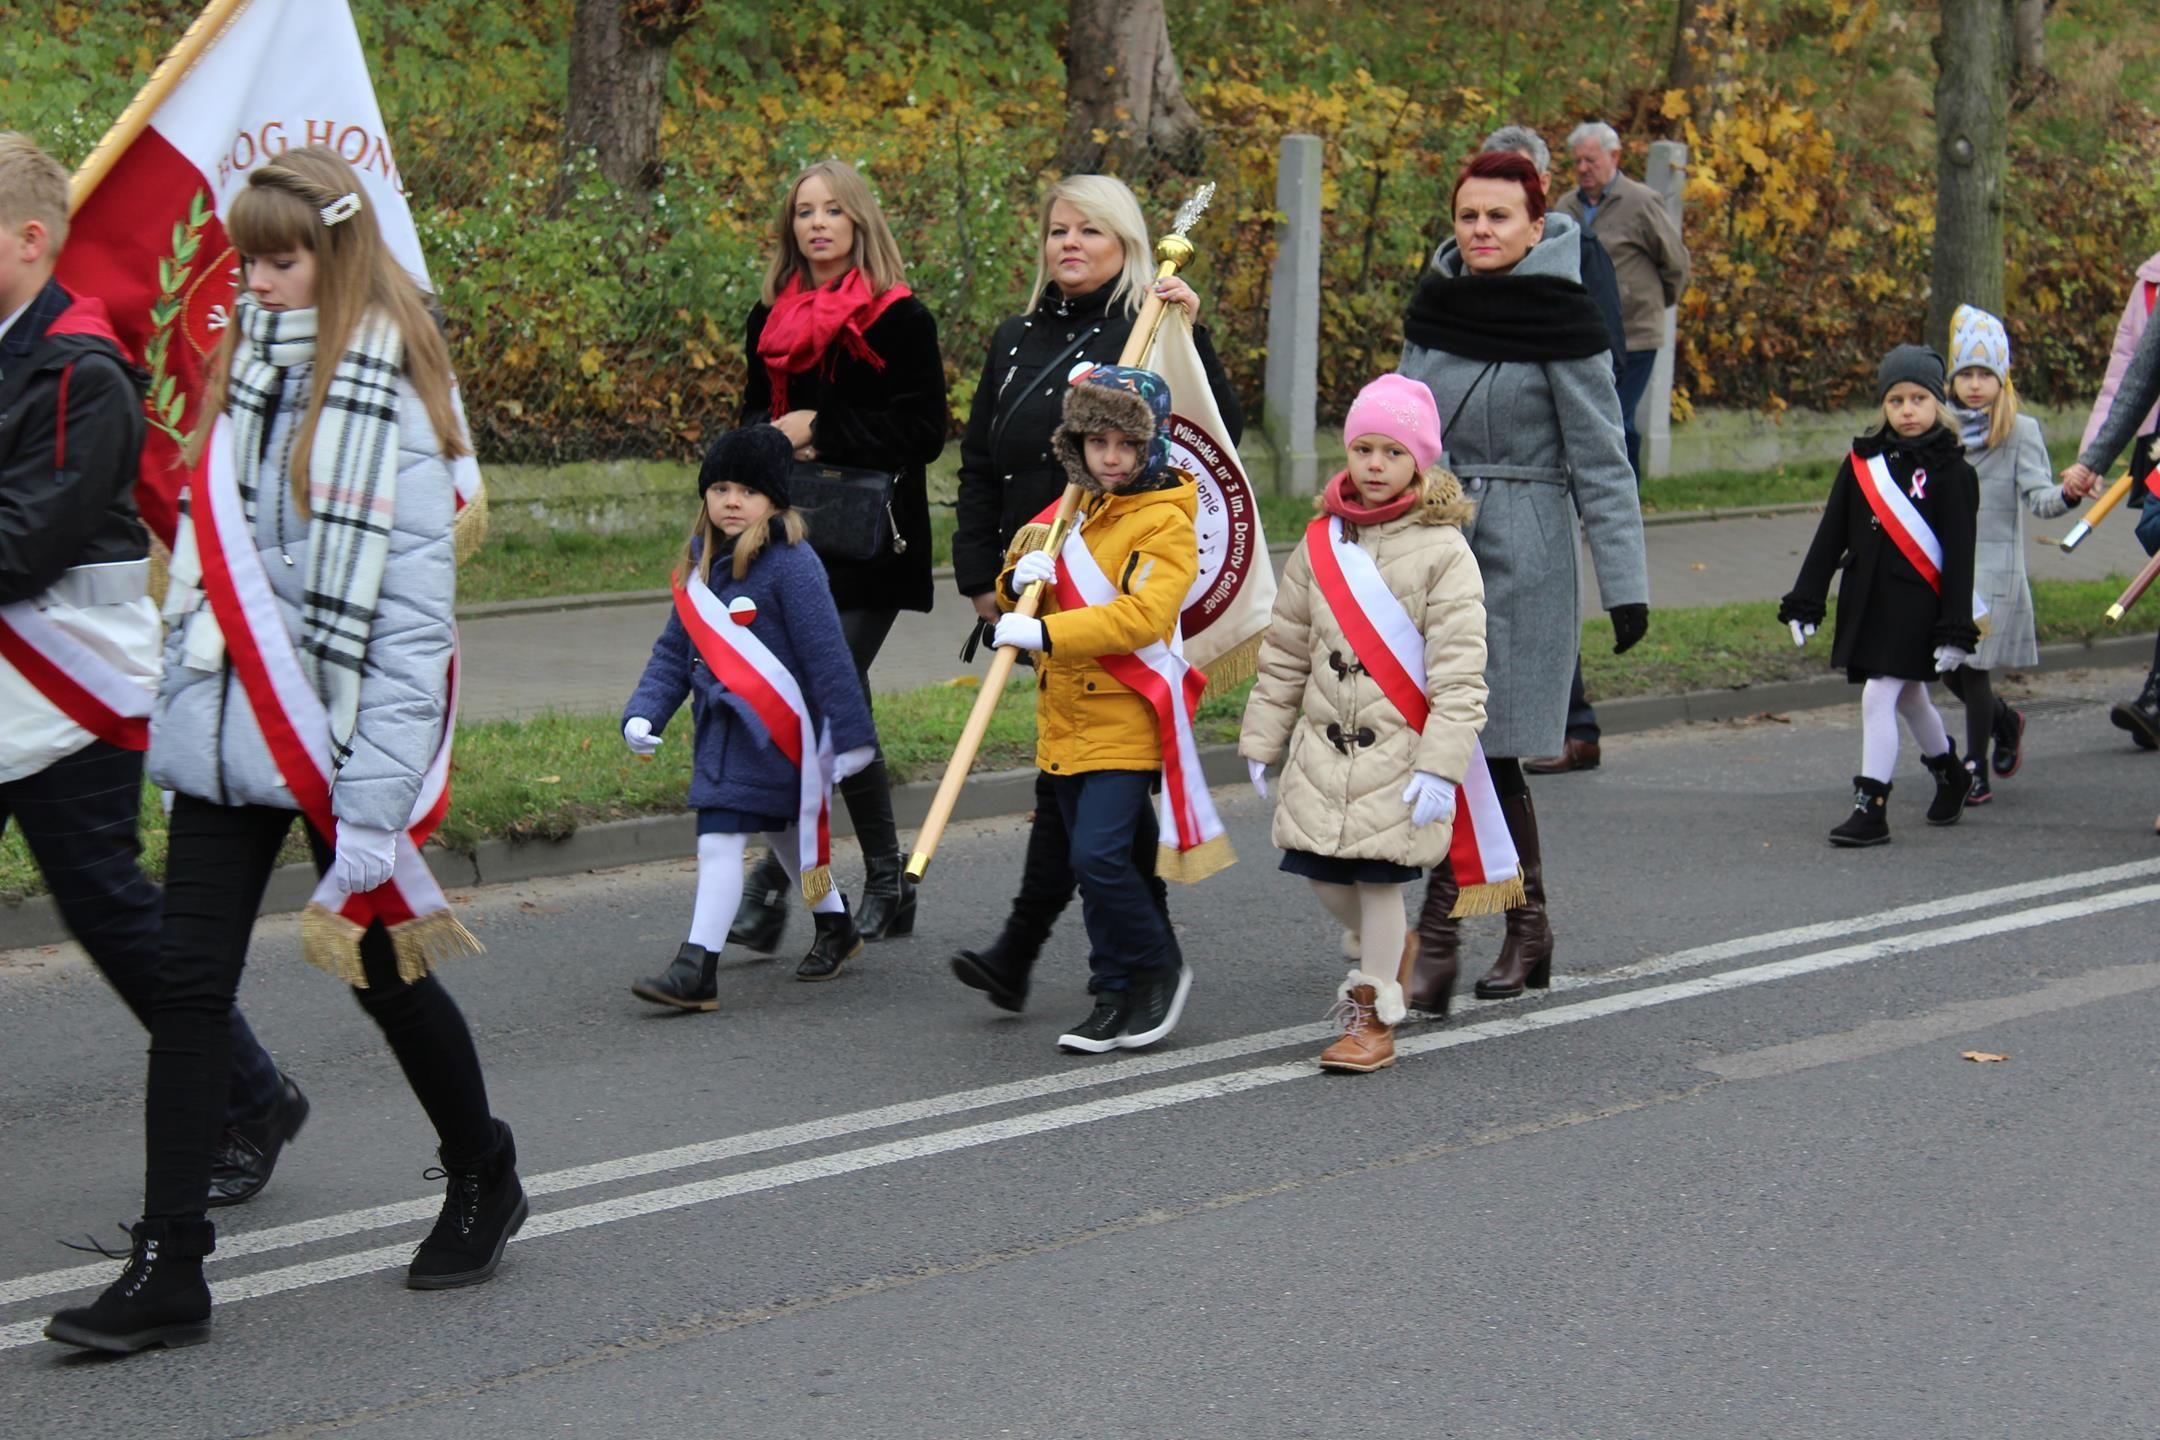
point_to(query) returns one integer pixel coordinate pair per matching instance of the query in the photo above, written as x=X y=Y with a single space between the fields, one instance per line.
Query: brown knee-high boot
x=1436 y=943
x=1526 y=958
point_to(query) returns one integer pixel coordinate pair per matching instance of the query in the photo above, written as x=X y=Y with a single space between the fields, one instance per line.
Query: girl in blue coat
x=747 y=546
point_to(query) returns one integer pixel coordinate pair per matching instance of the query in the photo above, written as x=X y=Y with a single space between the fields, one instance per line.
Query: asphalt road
x=1731 y=1177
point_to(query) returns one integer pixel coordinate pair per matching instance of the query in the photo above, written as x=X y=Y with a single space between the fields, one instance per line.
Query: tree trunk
x=2028 y=40
x=1123 y=97
x=618 y=82
x=1701 y=61
x=1972 y=128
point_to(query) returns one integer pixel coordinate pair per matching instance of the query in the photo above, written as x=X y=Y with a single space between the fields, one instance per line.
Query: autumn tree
x=618 y=82
x=1123 y=96
x=1975 y=56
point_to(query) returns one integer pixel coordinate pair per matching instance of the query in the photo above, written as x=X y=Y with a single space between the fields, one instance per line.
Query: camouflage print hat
x=1114 y=397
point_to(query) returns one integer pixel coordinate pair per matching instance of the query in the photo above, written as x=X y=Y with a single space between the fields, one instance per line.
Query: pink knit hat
x=1401 y=409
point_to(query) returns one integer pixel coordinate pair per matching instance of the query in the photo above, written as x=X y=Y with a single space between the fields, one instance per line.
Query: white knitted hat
x=1978 y=341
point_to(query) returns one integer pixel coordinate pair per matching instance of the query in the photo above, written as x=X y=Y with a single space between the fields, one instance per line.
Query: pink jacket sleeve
x=2127 y=335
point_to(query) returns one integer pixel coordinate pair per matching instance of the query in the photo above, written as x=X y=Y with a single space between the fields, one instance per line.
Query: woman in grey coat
x=342 y=489
x=1518 y=358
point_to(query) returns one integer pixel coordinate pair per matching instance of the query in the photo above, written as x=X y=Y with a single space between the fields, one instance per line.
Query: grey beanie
x=1919 y=364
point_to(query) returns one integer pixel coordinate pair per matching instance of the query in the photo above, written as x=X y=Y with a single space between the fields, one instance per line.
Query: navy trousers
x=1110 y=826
x=78 y=817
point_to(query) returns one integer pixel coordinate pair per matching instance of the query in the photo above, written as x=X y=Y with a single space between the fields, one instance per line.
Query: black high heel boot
x=689 y=983
x=887 y=902
x=837 y=941
x=159 y=1299
x=761 y=919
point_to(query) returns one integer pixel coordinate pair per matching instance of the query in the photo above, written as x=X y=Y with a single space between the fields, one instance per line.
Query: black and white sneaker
x=1156 y=998
x=1100 y=1031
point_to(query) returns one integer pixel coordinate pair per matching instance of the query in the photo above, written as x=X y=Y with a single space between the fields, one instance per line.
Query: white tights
x=1883 y=702
x=1375 y=912
x=720 y=884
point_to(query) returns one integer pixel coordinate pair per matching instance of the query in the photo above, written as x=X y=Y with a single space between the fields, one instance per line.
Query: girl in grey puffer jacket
x=344 y=484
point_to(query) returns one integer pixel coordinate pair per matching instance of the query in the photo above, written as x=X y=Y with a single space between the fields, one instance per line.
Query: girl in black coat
x=1904 y=534
x=1092 y=273
x=844 y=360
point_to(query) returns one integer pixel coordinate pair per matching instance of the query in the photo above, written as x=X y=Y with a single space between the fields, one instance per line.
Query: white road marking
x=318 y=1272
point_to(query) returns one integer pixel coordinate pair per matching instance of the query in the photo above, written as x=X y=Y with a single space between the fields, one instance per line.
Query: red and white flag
x=149 y=240
x=1233 y=595
x=1387 y=642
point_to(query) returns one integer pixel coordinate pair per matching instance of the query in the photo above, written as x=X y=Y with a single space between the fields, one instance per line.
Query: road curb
x=1006 y=793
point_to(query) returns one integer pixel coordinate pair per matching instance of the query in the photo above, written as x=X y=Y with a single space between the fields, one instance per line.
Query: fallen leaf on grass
x=545 y=779
x=1984 y=1057
x=964 y=682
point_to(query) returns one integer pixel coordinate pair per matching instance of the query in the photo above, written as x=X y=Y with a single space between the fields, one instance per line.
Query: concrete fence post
x=1667 y=174
x=1293 y=354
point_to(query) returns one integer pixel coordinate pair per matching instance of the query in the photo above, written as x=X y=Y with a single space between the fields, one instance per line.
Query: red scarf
x=1339 y=497
x=804 y=323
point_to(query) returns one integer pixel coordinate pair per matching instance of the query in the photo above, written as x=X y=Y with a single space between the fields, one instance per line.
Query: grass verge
x=540 y=779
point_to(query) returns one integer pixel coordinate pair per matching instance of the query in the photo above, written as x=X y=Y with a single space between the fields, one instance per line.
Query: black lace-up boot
x=484 y=1207
x=159 y=1299
x=2141 y=717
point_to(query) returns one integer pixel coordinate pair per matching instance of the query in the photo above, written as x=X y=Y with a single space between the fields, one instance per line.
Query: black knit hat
x=1919 y=364
x=757 y=457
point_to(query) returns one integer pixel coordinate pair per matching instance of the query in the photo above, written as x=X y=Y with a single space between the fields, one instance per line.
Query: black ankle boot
x=484 y=1207
x=1000 y=970
x=888 y=899
x=159 y=1299
x=688 y=983
x=2141 y=717
x=761 y=921
x=837 y=941
x=1869 y=823
x=1953 y=782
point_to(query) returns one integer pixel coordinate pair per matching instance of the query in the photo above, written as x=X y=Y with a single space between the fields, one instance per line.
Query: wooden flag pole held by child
x=1172 y=253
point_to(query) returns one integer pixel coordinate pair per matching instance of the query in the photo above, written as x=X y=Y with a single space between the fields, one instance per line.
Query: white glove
x=365 y=856
x=852 y=762
x=1258 y=770
x=1800 y=632
x=1021 y=632
x=1949 y=657
x=1033 y=566
x=637 y=734
x=1430 y=798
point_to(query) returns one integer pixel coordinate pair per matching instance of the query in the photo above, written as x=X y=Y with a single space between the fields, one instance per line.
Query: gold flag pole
x=2101 y=507
x=174 y=68
x=1172 y=253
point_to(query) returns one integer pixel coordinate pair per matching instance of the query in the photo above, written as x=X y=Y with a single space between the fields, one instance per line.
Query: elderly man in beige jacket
x=1630 y=220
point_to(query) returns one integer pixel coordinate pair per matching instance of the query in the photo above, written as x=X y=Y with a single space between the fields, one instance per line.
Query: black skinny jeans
x=868 y=792
x=218 y=863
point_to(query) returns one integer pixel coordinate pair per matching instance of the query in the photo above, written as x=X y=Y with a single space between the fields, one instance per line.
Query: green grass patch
x=1735 y=489
x=540 y=779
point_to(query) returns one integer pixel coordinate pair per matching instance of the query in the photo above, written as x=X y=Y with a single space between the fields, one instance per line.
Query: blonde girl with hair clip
x=1370 y=696
x=307 y=668
x=844 y=360
x=2009 y=457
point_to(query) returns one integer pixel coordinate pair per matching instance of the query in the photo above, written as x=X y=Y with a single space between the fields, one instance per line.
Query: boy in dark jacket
x=79 y=636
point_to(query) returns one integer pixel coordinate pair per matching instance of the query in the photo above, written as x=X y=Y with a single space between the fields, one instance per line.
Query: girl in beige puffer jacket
x=1368 y=799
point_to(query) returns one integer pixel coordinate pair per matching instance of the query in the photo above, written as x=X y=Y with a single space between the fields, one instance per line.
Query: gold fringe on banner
x=1234 y=666
x=816 y=884
x=1190 y=867
x=1488 y=899
x=331 y=943
x=160 y=571
x=470 y=531
x=1026 y=539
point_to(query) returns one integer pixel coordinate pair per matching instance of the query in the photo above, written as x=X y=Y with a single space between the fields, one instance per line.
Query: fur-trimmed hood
x=1121 y=398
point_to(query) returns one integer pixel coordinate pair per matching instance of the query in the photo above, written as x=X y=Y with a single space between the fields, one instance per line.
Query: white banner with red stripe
x=81 y=684
x=1194 y=845
x=748 y=668
x=294 y=725
x=1388 y=643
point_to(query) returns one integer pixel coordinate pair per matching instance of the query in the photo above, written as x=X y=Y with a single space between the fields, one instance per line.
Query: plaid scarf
x=352 y=484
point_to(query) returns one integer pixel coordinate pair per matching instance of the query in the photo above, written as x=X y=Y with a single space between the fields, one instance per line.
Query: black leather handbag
x=848 y=509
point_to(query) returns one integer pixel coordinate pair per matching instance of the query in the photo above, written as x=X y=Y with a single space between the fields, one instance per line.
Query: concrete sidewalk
x=580 y=655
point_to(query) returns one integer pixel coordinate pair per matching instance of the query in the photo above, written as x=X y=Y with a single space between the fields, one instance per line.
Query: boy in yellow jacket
x=1118 y=588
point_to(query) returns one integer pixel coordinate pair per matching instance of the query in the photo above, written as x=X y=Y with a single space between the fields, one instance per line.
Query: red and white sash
x=82 y=684
x=294 y=725
x=1904 y=524
x=747 y=667
x=1388 y=643
x=1194 y=845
